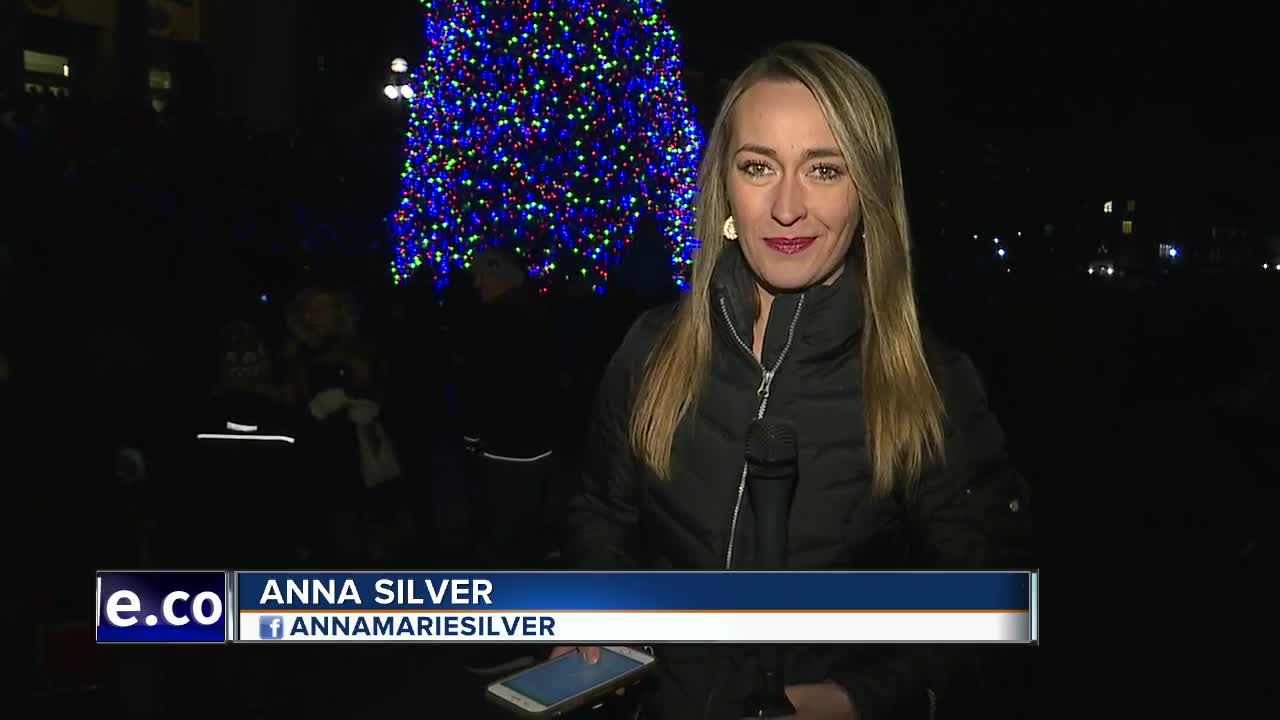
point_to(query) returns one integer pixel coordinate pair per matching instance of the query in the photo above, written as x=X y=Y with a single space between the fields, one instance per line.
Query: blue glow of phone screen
x=568 y=675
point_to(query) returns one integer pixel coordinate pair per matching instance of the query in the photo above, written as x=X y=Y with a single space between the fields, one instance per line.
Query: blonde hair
x=296 y=311
x=903 y=407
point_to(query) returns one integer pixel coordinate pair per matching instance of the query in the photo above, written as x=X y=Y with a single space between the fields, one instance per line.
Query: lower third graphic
x=270 y=627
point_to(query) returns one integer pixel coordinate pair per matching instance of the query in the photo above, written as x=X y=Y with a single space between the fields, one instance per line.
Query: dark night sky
x=1005 y=64
x=1182 y=102
x=1126 y=93
x=1016 y=63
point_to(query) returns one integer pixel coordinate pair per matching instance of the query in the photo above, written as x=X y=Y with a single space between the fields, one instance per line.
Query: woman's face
x=793 y=201
x=320 y=317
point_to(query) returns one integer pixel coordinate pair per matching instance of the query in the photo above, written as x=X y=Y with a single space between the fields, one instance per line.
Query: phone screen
x=555 y=681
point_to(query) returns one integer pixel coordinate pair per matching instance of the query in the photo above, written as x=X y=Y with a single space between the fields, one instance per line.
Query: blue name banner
x=171 y=606
x=636 y=591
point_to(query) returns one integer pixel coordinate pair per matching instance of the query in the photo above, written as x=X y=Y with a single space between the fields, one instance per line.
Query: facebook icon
x=270 y=627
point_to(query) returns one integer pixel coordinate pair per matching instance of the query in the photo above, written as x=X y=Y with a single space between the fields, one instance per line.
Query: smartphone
x=568 y=682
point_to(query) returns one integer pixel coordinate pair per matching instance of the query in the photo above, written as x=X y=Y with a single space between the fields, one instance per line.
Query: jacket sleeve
x=972 y=513
x=603 y=514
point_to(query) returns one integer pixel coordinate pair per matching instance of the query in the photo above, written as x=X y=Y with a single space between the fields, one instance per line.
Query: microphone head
x=772 y=441
x=771 y=477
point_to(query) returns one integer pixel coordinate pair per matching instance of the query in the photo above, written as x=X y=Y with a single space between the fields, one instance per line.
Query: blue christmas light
x=553 y=127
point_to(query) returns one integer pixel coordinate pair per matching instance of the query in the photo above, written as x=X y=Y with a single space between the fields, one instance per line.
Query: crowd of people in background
x=204 y=363
x=166 y=285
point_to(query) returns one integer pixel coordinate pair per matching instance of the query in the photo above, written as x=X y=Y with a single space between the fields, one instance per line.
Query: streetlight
x=397 y=88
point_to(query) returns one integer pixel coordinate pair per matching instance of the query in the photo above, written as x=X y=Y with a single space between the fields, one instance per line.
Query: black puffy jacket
x=504 y=408
x=971 y=514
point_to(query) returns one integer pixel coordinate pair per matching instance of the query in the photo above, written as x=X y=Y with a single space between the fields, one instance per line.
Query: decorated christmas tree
x=557 y=128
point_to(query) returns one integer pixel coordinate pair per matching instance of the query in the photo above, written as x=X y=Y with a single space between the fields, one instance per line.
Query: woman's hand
x=821 y=701
x=590 y=653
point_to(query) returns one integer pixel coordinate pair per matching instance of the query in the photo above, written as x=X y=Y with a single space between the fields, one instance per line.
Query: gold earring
x=730 y=230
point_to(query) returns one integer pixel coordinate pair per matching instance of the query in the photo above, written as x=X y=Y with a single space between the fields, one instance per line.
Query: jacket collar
x=828 y=320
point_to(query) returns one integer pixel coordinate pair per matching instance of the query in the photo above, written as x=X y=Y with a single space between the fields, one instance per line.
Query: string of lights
x=557 y=128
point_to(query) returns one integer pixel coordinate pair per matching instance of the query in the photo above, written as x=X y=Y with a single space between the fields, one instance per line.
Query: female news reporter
x=801 y=305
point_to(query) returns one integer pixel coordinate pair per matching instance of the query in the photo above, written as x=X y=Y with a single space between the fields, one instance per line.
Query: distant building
x=279 y=65
x=1148 y=236
x=1116 y=229
x=1138 y=234
x=126 y=49
x=1228 y=247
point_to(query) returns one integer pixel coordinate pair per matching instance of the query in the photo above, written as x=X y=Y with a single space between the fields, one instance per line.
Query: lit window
x=1106 y=207
x=161 y=79
x=1126 y=227
x=46 y=63
x=1131 y=205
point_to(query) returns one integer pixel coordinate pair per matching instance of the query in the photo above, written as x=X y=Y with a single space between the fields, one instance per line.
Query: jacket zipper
x=762 y=392
x=766 y=381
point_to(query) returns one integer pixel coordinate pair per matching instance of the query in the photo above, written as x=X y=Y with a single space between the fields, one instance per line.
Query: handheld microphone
x=772 y=475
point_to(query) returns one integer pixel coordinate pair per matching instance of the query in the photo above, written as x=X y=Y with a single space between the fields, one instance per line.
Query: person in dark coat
x=801 y=306
x=248 y=445
x=509 y=414
x=510 y=429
